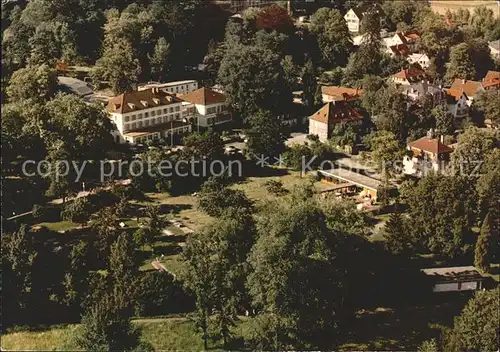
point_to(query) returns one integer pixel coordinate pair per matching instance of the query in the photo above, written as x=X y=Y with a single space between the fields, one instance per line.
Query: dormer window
x=157 y=101
x=144 y=103
x=132 y=106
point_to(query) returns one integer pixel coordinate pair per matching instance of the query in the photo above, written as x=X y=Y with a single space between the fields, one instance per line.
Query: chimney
x=441 y=138
x=463 y=81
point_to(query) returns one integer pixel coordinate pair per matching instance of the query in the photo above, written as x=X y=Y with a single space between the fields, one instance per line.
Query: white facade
x=125 y=124
x=319 y=129
x=177 y=87
x=455 y=286
x=459 y=109
x=421 y=59
x=353 y=21
x=209 y=115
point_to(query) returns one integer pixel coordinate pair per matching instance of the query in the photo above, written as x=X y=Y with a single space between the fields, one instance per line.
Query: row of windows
x=215 y=109
x=146 y=123
x=153 y=113
x=158 y=135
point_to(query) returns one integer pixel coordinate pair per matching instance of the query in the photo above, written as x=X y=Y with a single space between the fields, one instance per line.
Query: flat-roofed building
x=176 y=87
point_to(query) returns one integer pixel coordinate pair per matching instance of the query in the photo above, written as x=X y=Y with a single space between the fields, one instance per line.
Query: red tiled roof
x=411 y=36
x=336 y=112
x=410 y=74
x=491 y=84
x=341 y=93
x=400 y=50
x=491 y=76
x=204 y=96
x=455 y=94
x=471 y=88
x=140 y=100
x=432 y=145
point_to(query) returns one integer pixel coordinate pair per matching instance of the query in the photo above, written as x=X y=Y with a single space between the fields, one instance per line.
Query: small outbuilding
x=459 y=278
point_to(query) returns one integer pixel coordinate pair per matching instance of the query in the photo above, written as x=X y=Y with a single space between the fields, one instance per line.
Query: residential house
x=141 y=116
x=470 y=88
x=338 y=93
x=426 y=154
x=177 y=87
x=419 y=58
x=322 y=122
x=398 y=50
x=491 y=81
x=207 y=107
x=417 y=91
x=354 y=16
x=495 y=48
x=408 y=76
x=456 y=101
x=455 y=279
x=492 y=76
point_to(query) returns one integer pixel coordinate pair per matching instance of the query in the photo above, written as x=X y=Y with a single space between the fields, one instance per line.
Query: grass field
x=382 y=328
x=440 y=6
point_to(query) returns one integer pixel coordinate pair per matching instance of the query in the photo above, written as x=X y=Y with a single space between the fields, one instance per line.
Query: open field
x=381 y=328
x=442 y=5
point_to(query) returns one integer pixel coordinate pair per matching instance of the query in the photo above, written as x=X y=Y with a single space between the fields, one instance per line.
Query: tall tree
x=445 y=122
x=32 y=84
x=444 y=210
x=487 y=242
x=476 y=328
x=332 y=36
x=460 y=65
x=159 y=60
x=386 y=151
x=265 y=138
x=252 y=77
x=118 y=66
x=474 y=144
x=309 y=83
x=105 y=327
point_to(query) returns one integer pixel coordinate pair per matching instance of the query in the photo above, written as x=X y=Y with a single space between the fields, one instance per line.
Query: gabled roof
x=471 y=88
x=431 y=145
x=411 y=36
x=401 y=37
x=341 y=93
x=400 y=50
x=336 y=112
x=140 y=100
x=204 y=96
x=491 y=76
x=411 y=74
x=454 y=95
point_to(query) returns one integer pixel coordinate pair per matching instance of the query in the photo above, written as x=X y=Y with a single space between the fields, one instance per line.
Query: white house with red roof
x=408 y=76
x=207 y=106
x=322 y=122
x=425 y=155
x=147 y=115
x=457 y=102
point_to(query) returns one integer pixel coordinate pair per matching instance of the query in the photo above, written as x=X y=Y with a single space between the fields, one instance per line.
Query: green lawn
x=174 y=334
x=59 y=226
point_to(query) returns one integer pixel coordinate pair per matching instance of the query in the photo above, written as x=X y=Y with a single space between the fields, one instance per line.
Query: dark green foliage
x=443 y=211
x=217 y=269
x=332 y=36
x=476 y=328
x=78 y=210
x=32 y=84
x=275 y=187
x=215 y=198
x=445 y=122
x=487 y=242
x=265 y=136
x=252 y=77
x=106 y=328
x=396 y=236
